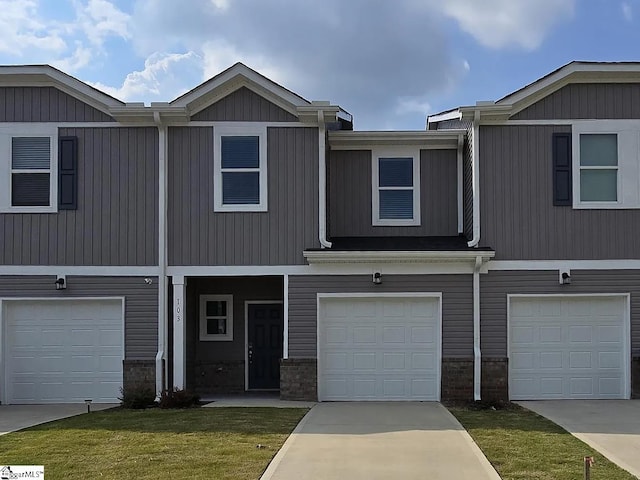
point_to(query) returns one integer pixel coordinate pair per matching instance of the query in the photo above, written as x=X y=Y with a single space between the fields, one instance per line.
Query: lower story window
x=216 y=317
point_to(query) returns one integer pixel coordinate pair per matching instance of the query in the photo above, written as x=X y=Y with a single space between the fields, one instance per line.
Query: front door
x=264 y=324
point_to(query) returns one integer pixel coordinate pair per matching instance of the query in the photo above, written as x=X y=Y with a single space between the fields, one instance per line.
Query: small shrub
x=176 y=398
x=137 y=397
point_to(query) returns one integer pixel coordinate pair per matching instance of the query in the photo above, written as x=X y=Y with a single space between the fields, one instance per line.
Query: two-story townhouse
x=243 y=238
x=78 y=241
x=237 y=238
x=558 y=166
x=311 y=259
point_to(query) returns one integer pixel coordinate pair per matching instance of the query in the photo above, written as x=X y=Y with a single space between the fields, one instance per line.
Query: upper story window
x=28 y=169
x=606 y=164
x=396 y=187
x=598 y=167
x=240 y=169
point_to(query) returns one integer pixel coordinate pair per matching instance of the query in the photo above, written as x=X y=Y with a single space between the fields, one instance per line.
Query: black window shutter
x=68 y=173
x=562 y=179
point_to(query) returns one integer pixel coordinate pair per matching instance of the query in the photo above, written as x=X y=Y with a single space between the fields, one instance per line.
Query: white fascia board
x=424 y=139
x=47 y=76
x=227 y=82
x=324 y=257
x=441 y=117
x=587 y=72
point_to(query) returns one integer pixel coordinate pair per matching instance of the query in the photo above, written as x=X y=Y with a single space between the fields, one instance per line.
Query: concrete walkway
x=612 y=427
x=17 y=417
x=379 y=440
x=253 y=400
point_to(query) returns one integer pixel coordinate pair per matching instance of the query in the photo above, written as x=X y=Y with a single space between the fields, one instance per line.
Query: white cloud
x=506 y=23
x=219 y=55
x=22 y=30
x=627 y=11
x=79 y=59
x=220 y=4
x=162 y=78
x=100 y=19
x=407 y=105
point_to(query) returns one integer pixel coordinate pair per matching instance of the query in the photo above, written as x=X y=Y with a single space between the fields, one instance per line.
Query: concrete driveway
x=17 y=417
x=612 y=427
x=379 y=440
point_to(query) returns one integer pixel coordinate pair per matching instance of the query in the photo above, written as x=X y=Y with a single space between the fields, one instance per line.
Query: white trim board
x=355 y=295
x=4 y=301
x=246 y=336
x=500 y=265
x=435 y=268
x=90 y=271
x=627 y=326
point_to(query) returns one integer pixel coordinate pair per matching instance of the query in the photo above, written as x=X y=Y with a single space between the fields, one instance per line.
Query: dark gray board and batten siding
x=495 y=286
x=457 y=306
x=244 y=105
x=141 y=303
x=518 y=218
x=587 y=101
x=200 y=236
x=45 y=104
x=350 y=195
x=116 y=222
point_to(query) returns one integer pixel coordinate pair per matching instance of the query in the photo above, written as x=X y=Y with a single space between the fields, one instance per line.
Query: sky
x=389 y=63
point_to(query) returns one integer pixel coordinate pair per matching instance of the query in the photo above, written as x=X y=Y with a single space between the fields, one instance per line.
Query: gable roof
x=48 y=76
x=573 y=72
x=232 y=79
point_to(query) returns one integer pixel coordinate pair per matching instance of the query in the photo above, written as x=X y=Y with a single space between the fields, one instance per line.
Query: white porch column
x=285 y=328
x=179 y=357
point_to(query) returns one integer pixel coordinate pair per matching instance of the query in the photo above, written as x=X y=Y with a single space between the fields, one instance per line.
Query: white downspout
x=477 y=354
x=161 y=373
x=475 y=176
x=322 y=182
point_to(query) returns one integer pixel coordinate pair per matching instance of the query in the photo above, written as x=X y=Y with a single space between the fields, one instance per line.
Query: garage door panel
x=580 y=355
x=64 y=351
x=550 y=334
x=391 y=354
x=394 y=335
x=364 y=335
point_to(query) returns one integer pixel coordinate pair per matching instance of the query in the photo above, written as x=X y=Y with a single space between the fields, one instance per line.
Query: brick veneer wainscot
x=299 y=379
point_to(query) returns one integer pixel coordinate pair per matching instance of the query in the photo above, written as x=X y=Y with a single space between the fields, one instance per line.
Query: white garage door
x=379 y=348
x=568 y=347
x=64 y=351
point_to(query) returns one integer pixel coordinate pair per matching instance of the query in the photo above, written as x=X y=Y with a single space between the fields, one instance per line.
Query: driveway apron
x=612 y=427
x=380 y=440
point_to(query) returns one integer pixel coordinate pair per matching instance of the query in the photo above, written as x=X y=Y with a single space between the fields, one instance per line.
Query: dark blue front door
x=264 y=322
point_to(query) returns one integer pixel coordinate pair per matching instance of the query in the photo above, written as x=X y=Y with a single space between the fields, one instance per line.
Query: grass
x=198 y=443
x=522 y=445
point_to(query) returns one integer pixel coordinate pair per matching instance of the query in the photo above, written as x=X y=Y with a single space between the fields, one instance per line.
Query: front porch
x=227 y=334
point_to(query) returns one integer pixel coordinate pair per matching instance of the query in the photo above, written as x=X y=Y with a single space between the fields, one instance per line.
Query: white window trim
x=7 y=131
x=259 y=131
x=628 y=169
x=208 y=337
x=394 y=152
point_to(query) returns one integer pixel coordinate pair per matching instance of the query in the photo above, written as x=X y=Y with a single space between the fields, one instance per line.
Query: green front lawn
x=522 y=445
x=199 y=443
